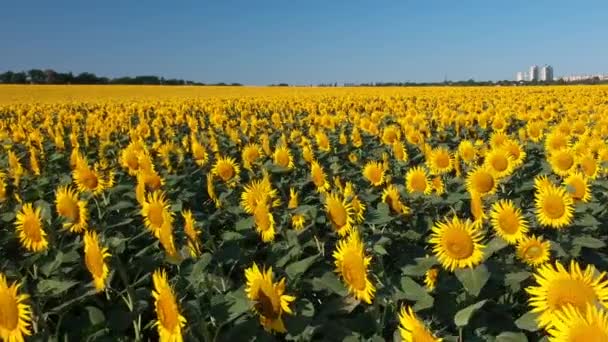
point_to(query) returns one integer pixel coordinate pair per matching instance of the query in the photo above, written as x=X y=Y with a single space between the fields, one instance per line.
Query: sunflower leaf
x=329 y=281
x=589 y=242
x=473 y=279
x=509 y=336
x=527 y=322
x=463 y=316
x=296 y=268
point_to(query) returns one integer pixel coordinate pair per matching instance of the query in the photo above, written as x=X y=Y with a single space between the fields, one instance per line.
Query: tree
x=19 y=78
x=36 y=76
x=6 y=77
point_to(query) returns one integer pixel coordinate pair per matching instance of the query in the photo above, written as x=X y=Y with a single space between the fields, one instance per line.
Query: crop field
x=303 y=214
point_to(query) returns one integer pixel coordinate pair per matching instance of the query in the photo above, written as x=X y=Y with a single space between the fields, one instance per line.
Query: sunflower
x=226 y=169
x=457 y=243
x=481 y=180
x=562 y=162
x=437 y=185
x=374 y=173
x=129 y=158
x=477 y=209
x=440 y=161
x=588 y=165
x=340 y=213
x=297 y=222
x=573 y=325
x=578 y=187
x=352 y=265
x=29 y=226
x=533 y=250
x=3 y=192
x=558 y=288
x=535 y=130
x=322 y=140
x=412 y=329
x=430 y=278
x=94 y=255
x=192 y=233
x=417 y=181
x=554 y=206
x=156 y=212
x=467 y=151
x=71 y=209
x=169 y=320
x=498 y=139
x=199 y=153
x=15 y=314
x=211 y=191
x=165 y=237
x=90 y=180
x=499 y=162
x=258 y=192
x=358 y=208
x=307 y=154
x=250 y=154
x=269 y=299
x=264 y=222
x=392 y=198
x=282 y=157
x=318 y=176
x=293 y=199
x=399 y=151
x=516 y=152
x=508 y=221
x=556 y=141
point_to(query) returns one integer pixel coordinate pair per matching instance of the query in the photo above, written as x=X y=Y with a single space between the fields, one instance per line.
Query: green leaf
x=244 y=224
x=239 y=303
x=463 y=316
x=513 y=280
x=509 y=336
x=96 y=316
x=199 y=267
x=8 y=217
x=379 y=249
x=121 y=205
x=55 y=287
x=296 y=268
x=589 y=242
x=415 y=292
x=587 y=221
x=422 y=265
x=473 y=279
x=329 y=281
x=48 y=268
x=527 y=322
x=381 y=215
x=495 y=245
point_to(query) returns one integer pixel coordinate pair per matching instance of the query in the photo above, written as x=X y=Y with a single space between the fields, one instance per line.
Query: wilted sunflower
x=169 y=320
x=417 y=181
x=226 y=169
x=15 y=314
x=29 y=226
x=412 y=329
x=558 y=288
x=533 y=250
x=264 y=222
x=339 y=212
x=578 y=187
x=573 y=325
x=482 y=181
x=318 y=176
x=94 y=255
x=508 y=221
x=269 y=299
x=554 y=206
x=440 y=161
x=392 y=198
x=499 y=162
x=374 y=173
x=72 y=209
x=457 y=243
x=282 y=157
x=192 y=233
x=352 y=265
x=430 y=278
x=562 y=162
x=156 y=212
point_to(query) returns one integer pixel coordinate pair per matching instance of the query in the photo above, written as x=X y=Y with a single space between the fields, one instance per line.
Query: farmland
x=240 y=213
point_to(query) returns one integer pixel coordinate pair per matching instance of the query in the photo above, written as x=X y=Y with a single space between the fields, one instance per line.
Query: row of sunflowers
x=412 y=214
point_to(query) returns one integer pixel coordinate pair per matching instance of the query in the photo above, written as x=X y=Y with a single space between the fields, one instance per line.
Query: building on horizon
x=546 y=73
x=520 y=76
x=533 y=73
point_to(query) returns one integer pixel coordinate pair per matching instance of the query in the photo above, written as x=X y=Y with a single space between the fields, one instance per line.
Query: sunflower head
x=562 y=161
x=399 y=151
x=578 y=186
x=533 y=250
x=352 y=265
x=169 y=322
x=339 y=212
x=430 y=278
x=588 y=165
x=94 y=257
x=318 y=176
x=29 y=226
x=226 y=169
x=293 y=199
x=374 y=173
x=73 y=210
x=482 y=181
x=554 y=206
x=417 y=181
x=392 y=198
x=413 y=329
x=467 y=151
x=440 y=161
x=508 y=221
x=282 y=157
x=15 y=314
x=250 y=154
x=457 y=243
x=572 y=324
x=499 y=162
x=264 y=222
x=156 y=213
x=191 y=233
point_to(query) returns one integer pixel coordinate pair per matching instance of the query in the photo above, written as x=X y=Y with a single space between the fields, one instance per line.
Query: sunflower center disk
x=353 y=269
x=458 y=244
x=484 y=182
x=69 y=209
x=337 y=214
x=282 y=159
x=9 y=312
x=554 y=207
x=508 y=222
x=570 y=291
x=32 y=228
x=90 y=180
x=442 y=161
x=585 y=333
x=533 y=252
x=225 y=171
x=419 y=183
x=500 y=163
x=156 y=214
x=565 y=161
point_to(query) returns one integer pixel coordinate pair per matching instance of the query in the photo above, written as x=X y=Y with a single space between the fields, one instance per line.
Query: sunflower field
x=303 y=214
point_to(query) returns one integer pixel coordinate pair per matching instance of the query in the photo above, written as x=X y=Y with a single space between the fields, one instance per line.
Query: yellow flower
x=558 y=288
x=169 y=321
x=554 y=206
x=264 y=222
x=482 y=181
x=192 y=233
x=156 y=213
x=322 y=141
x=573 y=325
x=417 y=181
x=211 y=191
x=250 y=154
x=399 y=151
x=430 y=278
x=352 y=265
x=457 y=243
x=340 y=213
x=391 y=196
x=477 y=208
x=438 y=185
x=90 y=180
x=15 y=314
x=282 y=157
x=508 y=221
x=297 y=222
x=533 y=250
x=579 y=187
x=29 y=226
x=467 y=151
x=269 y=299
x=16 y=170
x=412 y=329
x=226 y=169
x=374 y=173
x=318 y=176
x=293 y=199
x=94 y=255
x=199 y=153
x=588 y=165
x=562 y=162
x=440 y=161
x=72 y=209
x=499 y=162
x=258 y=192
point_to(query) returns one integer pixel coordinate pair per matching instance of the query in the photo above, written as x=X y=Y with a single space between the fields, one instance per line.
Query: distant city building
x=546 y=73
x=534 y=73
x=520 y=76
x=585 y=77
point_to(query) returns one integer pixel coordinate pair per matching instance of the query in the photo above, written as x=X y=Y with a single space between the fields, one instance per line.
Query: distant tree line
x=49 y=76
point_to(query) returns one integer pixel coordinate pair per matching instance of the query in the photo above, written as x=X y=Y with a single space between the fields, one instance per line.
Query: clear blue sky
x=303 y=42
